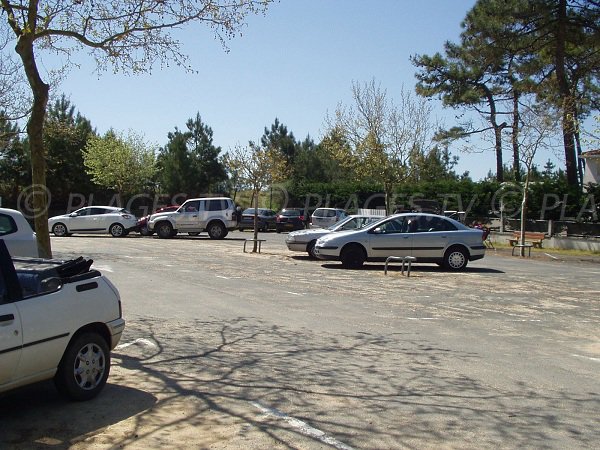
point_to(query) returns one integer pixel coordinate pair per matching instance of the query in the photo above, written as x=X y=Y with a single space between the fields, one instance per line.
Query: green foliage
x=123 y=163
x=65 y=136
x=14 y=162
x=190 y=162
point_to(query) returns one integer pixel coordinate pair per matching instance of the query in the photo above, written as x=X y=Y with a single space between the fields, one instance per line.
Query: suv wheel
x=84 y=367
x=164 y=230
x=216 y=230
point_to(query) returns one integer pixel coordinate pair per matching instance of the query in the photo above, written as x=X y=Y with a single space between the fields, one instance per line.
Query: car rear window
x=291 y=212
x=7 y=225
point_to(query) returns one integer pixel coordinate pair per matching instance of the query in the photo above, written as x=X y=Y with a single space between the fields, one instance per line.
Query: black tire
x=60 y=230
x=353 y=256
x=164 y=230
x=84 y=368
x=117 y=230
x=144 y=231
x=456 y=259
x=216 y=230
x=310 y=249
x=193 y=233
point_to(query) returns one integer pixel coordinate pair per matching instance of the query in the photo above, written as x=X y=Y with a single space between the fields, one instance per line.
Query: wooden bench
x=534 y=239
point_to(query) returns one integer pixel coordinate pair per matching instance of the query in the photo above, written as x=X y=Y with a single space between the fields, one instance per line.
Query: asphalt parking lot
x=226 y=349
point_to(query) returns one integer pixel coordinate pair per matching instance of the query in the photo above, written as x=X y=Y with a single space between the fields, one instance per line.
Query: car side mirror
x=73 y=214
x=377 y=230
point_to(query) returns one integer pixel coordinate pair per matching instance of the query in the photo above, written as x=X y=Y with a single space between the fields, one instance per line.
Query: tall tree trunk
x=568 y=102
x=497 y=134
x=515 y=137
x=35 y=132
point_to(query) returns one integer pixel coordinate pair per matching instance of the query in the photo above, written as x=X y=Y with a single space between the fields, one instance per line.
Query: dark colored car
x=290 y=219
x=142 y=223
x=266 y=219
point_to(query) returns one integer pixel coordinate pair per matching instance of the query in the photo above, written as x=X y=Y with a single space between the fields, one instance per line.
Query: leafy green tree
x=65 y=136
x=14 y=161
x=123 y=163
x=281 y=140
x=190 y=163
x=130 y=35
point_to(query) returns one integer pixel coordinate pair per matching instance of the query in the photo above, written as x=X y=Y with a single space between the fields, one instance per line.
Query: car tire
x=353 y=256
x=193 y=233
x=164 y=230
x=117 y=230
x=310 y=249
x=216 y=230
x=84 y=367
x=60 y=230
x=144 y=231
x=456 y=259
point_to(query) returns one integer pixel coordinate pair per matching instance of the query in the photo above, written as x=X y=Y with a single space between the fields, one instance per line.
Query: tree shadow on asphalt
x=247 y=378
x=224 y=375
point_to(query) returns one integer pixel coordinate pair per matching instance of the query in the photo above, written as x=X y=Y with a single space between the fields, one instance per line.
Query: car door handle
x=7 y=318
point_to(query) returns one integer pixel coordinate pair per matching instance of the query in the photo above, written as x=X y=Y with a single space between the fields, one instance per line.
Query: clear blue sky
x=296 y=63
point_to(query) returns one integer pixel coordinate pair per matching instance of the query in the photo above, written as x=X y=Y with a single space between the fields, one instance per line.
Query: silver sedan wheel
x=456 y=259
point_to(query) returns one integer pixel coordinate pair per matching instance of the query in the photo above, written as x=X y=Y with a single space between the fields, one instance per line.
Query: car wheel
x=216 y=230
x=60 y=230
x=164 y=230
x=353 y=256
x=193 y=233
x=455 y=259
x=117 y=230
x=144 y=231
x=310 y=248
x=84 y=368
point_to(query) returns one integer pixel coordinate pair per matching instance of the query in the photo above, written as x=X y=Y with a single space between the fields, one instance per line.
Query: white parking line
x=302 y=426
x=146 y=342
x=587 y=357
x=294 y=293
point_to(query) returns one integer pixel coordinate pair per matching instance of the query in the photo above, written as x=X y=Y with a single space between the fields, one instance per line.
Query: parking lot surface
x=226 y=349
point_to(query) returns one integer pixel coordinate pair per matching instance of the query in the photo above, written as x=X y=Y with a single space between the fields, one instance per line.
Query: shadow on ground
x=37 y=417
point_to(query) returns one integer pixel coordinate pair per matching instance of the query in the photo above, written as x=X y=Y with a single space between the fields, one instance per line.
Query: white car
x=428 y=237
x=216 y=215
x=17 y=233
x=58 y=320
x=305 y=240
x=94 y=219
x=326 y=217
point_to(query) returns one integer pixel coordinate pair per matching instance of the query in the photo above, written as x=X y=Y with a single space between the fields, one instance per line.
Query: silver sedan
x=428 y=237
